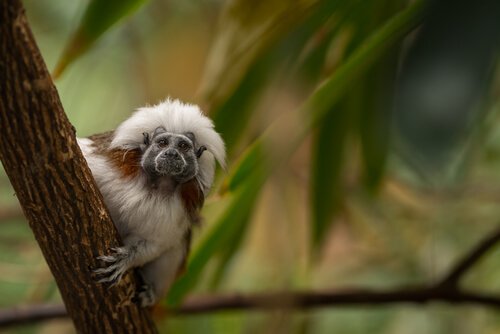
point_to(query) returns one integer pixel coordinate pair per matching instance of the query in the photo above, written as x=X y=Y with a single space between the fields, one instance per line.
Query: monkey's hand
x=136 y=252
x=117 y=264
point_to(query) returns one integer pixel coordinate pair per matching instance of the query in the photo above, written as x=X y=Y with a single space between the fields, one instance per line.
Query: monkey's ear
x=159 y=130
x=191 y=136
x=146 y=141
x=200 y=151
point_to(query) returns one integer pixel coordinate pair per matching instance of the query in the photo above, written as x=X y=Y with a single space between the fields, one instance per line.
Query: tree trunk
x=55 y=187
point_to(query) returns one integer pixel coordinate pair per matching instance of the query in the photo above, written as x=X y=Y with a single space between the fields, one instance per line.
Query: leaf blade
x=317 y=106
x=99 y=16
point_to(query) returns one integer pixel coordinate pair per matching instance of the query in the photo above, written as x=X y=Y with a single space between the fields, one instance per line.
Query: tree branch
x=30 y=314
x=470 y=259
x=279 y=300
x=54 y=186
x=348 y=297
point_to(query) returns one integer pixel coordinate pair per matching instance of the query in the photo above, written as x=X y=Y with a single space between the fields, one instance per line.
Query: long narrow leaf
x=100 y=15
x=328 y=152
x=375 y=119
x=368 y=106
x=317 y=106
x=375 y=115
x=232 y=116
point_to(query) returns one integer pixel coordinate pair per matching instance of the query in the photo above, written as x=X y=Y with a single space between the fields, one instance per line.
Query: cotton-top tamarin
x=154 y=172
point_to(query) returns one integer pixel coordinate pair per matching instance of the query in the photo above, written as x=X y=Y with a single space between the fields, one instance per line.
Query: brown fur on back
x=127 y=161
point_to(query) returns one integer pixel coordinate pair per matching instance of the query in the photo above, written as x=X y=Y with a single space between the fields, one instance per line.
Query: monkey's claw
x=117 y=264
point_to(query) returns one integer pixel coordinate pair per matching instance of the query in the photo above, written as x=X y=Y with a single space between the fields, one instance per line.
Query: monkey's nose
x=172 y=154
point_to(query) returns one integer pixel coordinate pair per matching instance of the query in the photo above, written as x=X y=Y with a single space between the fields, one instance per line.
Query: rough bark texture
x=54 y=185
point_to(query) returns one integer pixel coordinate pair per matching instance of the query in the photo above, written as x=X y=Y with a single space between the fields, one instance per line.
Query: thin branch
x=471 y=258
x=278 y=300
x=351 y=297
x=24 y=315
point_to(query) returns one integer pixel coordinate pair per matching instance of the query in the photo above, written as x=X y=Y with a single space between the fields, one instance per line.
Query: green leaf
x=244 y=167
x=225 y=254
x=375 y=119
x=368 y=105
x=233 y=114
x=318 y=105
x=99 y=16
x=328 y=148
x=375 y=113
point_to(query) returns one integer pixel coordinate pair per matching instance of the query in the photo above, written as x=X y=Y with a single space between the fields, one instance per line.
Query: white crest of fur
x=177 y=117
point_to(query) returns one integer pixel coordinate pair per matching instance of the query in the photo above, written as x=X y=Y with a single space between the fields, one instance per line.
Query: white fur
x=177 y=117
x=152 y=225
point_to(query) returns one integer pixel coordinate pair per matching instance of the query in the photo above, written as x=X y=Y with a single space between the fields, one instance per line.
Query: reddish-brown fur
x=127 y=161
x=192 y=198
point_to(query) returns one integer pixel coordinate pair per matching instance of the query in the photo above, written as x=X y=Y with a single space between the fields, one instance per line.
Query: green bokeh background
x=408 y=228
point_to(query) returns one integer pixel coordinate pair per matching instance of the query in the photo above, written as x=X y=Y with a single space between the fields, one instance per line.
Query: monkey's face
x=171 y=154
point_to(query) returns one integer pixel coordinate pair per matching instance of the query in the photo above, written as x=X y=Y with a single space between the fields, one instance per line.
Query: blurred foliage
x=99 y=16
x=361 y=149
x=444 y=84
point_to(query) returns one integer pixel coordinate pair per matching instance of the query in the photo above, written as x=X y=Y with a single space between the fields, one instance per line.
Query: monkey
x=154 y=172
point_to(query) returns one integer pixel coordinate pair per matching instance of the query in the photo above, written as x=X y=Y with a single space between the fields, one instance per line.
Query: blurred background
x=384 y=177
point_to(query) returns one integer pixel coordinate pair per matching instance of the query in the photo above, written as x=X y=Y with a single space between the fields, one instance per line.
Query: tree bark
x=55 y=187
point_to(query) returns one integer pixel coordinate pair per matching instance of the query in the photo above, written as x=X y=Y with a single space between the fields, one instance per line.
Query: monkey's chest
x=152 y=218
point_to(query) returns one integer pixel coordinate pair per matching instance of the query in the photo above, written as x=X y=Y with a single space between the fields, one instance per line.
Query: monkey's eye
x=162 y=143
x=183 y=145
